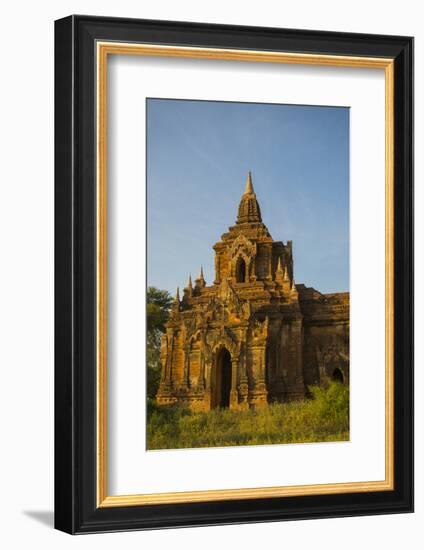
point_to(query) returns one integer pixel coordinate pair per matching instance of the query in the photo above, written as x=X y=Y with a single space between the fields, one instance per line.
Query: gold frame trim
x=104 y=49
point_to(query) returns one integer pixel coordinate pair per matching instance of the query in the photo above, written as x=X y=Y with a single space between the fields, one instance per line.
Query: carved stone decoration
x=229 y=299
x=164 y=356
x=264 y=335
x=243 y=248
x=242 y=245
x=259 y=331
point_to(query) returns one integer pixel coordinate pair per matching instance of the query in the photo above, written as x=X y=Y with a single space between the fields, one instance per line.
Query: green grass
x=324 y=417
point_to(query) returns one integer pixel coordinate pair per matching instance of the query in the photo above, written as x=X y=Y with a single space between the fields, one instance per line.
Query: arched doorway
x=240 y=270
x=337 y=376
x=222 y=379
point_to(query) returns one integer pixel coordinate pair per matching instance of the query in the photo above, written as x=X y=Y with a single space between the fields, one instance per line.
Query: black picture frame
x=76 y=510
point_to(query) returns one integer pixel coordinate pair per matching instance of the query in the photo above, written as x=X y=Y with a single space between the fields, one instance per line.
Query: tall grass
x=324 y=417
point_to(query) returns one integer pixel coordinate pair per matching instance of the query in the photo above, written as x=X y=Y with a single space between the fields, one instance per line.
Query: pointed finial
x=200 y=281
x=190 y=284
x=279 y=273
x=176 y=303
x=286 y=275
x=249 y=185
x=294 y=295
x=248 y=210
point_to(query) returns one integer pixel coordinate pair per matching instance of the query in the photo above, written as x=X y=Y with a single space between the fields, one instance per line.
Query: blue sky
x=198 y=156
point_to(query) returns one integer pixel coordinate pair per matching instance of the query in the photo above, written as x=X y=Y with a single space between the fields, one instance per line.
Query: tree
x=158 y=305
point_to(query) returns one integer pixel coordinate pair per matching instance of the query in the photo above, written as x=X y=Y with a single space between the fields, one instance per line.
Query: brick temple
x=254 y=336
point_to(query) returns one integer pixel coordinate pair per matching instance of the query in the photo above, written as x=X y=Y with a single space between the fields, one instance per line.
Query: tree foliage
x=158 y=305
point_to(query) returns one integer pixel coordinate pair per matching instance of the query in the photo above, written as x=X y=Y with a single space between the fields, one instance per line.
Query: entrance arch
x=240 y=270
x=338 y=376
x=222 y=379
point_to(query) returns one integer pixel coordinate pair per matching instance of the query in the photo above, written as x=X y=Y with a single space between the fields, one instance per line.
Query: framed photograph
x=234 y=274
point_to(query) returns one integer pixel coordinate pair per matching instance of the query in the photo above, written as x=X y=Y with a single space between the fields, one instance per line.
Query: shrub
x=331 y=403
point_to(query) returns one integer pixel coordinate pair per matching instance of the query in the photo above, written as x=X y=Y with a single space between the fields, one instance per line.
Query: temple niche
x=254 y=336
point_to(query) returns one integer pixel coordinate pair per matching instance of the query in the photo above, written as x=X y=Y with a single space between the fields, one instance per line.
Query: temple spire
x=176 y=302
x=249 y=211
x=200 y=281
x=249 y=185
x=188 y=290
